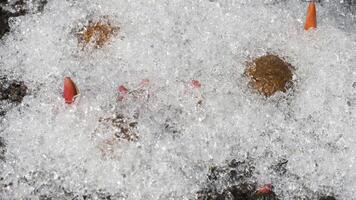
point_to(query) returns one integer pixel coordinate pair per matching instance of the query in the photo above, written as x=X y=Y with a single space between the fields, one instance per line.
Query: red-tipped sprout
x=70 y=90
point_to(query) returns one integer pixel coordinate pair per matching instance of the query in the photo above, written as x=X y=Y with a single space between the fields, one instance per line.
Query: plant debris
x=141 y=92
x=269 y=74
x=97 y=32
x=113 y=130
x=125 y=127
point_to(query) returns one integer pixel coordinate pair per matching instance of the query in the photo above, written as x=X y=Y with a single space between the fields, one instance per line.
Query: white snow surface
x=52 y=144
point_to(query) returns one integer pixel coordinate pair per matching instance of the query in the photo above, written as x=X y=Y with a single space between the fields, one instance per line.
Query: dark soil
x=327 y=198
x=20 y=7
x=4 y=21
x=12 y=91
x=235 y=181
x=11 y=94
x=238 y=182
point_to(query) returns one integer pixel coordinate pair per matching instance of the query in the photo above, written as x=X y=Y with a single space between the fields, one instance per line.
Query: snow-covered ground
x=61 y=151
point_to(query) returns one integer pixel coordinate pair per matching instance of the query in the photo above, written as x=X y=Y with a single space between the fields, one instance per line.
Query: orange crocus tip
x=70 y=90
x=122 y=89
x=195 y=84
x=264 y=189
x=310 y=21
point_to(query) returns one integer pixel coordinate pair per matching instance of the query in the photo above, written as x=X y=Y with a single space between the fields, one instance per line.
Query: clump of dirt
x=269 y=74
x=13 y=91
x=234 y=182
x=98 y=32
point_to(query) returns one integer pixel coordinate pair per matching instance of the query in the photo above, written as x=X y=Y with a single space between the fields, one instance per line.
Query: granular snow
x=182 y=130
